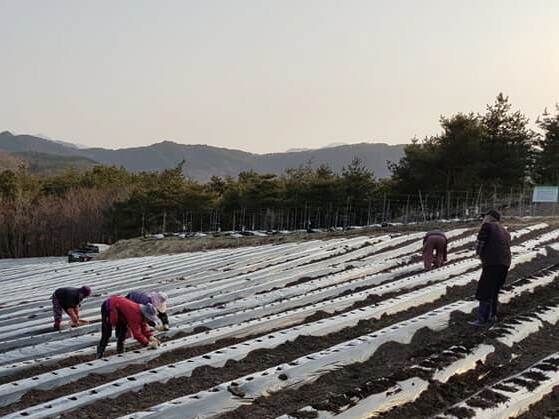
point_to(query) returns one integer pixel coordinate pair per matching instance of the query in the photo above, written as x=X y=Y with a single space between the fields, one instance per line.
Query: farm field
x=349 y=327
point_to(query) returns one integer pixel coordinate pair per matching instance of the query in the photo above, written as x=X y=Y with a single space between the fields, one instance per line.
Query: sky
x=266 y=76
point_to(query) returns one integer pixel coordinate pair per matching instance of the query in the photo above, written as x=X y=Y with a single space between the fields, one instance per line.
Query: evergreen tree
x=506 y=146
x=547 y=159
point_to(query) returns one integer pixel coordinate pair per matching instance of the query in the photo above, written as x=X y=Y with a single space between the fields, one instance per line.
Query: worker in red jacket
x=123 y=314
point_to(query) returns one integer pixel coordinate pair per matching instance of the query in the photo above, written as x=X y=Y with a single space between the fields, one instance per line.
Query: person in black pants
x=493 y=248
x=106 y=330
x=123 y=314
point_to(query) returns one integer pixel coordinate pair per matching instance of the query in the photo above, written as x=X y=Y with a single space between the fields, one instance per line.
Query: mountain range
x=201 y=161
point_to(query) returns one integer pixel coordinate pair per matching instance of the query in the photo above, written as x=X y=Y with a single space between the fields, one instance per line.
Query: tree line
x=448 y=174
x=495 y=149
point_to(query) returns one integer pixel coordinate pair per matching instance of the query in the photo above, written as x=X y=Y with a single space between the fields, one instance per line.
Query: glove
x=166 y=327
x=153 y=343
x=159 y=327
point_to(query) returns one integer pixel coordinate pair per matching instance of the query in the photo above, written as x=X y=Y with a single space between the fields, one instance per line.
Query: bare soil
x=389 y=358
x=390 y=363
x=143 y=247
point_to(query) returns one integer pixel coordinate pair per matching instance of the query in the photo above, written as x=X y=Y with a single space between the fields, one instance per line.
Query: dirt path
x=144 y=247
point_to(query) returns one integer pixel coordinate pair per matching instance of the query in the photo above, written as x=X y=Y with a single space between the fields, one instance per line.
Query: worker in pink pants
x=434 y=249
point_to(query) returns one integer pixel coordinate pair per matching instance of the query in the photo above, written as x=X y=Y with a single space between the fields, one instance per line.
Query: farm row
x=335 y=328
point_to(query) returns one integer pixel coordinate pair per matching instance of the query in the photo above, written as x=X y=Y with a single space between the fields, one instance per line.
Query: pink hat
x=159 y=301
x=85 y=290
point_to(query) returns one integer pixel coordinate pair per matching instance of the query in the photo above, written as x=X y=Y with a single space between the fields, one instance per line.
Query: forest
x=475 y=161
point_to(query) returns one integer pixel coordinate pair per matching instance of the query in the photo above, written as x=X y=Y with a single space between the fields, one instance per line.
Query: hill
x=202 y=161
x=373 y=155
x=49 y=164
x=11 y=143
x=9 y=161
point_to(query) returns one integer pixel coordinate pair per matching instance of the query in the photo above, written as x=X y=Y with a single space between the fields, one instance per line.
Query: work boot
x=478 y=323
x=120 y=347
x=100 y=351
x=57 y=325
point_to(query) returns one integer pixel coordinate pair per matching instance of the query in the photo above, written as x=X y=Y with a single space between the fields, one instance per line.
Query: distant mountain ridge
x=203 y=161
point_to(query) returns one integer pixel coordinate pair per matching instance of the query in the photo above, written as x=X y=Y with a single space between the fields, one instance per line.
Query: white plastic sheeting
x=11 y=392
x=284 y=318
x=403 y=392
x=462 y=365
x=74 y=340
x=204 y=291
x=187 y=289
x=466 y=361
x=307 y=369
x=38 y=283
x=390 y=306
x=519 y=398
x=51 y=348
x=198 y=267
x=525 y=257
x=301 y=371
x=192 y=299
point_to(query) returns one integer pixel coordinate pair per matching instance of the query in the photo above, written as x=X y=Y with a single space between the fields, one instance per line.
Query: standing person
x=68 y=300
x=493 y=248
x=434 y=249
x=122 y=314
x=159 y=301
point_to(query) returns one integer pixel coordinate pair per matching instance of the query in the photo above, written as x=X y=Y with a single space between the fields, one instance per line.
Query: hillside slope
x=202 y=161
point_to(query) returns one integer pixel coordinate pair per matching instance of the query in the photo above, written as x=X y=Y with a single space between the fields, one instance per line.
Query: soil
x=547 y=408
x=142 y=247
x=389 y=357
x=498 y=367
x=337 y=389
x=432 y=402
x=63 y=363
x=397 y=357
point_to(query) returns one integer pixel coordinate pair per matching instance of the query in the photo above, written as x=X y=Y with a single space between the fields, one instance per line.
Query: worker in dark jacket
x=434 y=249
x=68 y=300
x=159 y=301
x=493 y=248
x=123 y=314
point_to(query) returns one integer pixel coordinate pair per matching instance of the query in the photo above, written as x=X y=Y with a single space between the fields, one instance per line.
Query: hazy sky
x=266 y=76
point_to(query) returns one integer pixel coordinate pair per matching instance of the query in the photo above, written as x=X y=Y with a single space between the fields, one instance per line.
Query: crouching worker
x=159 y=301
x=68 y=300
x=434 y=249
x=123 y=314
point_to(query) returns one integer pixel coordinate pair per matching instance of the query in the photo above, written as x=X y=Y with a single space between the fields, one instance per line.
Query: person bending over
x=68 y=300
x=122 y=314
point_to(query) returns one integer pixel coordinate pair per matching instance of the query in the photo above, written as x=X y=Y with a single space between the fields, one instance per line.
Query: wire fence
x=389 y=208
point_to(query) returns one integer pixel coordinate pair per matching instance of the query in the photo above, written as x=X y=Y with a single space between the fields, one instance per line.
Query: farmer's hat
x=494 y=213
x=149 y=312
x=159 y=301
